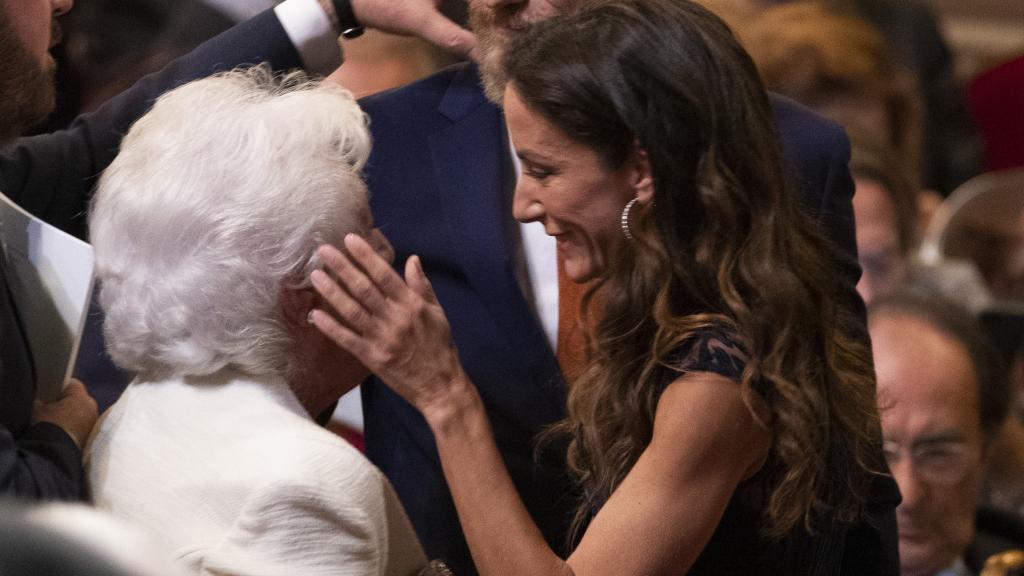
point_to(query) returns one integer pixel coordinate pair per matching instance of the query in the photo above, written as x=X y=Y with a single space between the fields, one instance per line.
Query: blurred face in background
x=27 y=31
x=496 y=23
x=878 y=242
x=928 y=399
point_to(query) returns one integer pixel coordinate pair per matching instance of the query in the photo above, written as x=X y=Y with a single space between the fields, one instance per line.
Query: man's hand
x=75 y=411
x=416 y=17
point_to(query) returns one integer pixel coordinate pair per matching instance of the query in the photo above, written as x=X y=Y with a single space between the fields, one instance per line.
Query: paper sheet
x=49 y=274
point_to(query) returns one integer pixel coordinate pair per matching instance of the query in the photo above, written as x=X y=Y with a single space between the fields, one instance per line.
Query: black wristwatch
x=347 y=23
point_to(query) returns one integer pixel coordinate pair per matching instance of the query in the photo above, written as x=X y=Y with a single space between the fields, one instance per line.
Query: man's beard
x=27 y=92
x=491 y=42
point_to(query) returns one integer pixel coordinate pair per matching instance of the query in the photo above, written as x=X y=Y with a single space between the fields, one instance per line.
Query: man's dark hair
x=958 y=323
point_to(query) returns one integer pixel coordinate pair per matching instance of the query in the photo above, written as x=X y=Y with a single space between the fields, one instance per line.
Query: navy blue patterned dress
x=737 y=546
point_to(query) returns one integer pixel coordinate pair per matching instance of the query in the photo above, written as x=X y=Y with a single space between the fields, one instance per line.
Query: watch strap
x=349 y=26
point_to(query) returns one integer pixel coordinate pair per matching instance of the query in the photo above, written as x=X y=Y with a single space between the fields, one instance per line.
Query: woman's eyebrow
x=533 y=156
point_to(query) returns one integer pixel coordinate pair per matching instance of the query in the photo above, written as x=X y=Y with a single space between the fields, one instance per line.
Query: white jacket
x=232 y=475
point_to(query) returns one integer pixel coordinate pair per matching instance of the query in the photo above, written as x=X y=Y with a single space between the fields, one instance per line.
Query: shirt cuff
x=310 y=31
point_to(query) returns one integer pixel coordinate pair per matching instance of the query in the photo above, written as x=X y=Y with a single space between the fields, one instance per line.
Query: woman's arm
x=658 y=520
x=400 y=333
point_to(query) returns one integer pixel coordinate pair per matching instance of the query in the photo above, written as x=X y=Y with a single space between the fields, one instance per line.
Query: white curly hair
x=217 y=201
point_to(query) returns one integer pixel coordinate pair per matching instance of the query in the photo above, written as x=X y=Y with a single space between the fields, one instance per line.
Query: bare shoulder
x=703 y=416
x=705 y=443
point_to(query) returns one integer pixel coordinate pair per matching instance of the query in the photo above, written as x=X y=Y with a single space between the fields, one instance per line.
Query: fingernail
x=309 y=317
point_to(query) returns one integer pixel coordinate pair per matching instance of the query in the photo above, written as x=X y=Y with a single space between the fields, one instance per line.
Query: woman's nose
x=525 y=207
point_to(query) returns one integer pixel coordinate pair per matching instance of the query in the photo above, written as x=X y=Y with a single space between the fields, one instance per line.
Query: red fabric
x=996 y=100
x=571 y=349
x=353 y=436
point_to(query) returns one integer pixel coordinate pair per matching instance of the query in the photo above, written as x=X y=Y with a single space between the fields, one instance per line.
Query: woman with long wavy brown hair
x=726 y=419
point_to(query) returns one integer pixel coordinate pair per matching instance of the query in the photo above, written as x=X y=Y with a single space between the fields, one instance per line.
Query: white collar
x=958 y=568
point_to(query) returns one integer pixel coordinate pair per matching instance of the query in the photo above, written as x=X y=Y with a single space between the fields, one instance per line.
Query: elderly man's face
x=496 y=23
x=933 y=439
x=27 y=31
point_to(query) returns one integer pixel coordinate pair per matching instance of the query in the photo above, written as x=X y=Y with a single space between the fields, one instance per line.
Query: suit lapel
x=477 y=206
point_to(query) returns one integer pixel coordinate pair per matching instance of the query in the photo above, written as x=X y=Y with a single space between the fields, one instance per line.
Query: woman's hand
x=395 y=328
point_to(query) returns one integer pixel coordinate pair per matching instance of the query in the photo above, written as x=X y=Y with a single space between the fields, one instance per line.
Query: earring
x=624 y=220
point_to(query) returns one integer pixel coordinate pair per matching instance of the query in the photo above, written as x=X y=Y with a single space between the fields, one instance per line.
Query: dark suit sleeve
x=871 y=545
x=44 y=463
x=52 y=175
x=837 y=221
x=818 y=155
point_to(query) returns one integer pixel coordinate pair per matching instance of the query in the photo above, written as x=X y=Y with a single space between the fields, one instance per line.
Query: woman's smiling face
x=569 y=189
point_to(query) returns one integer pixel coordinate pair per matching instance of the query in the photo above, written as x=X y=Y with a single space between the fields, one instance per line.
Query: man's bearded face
x=26 y=83
x=495 y=25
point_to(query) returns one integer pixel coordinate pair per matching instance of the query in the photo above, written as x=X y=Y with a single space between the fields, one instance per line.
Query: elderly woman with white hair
x=205 y=228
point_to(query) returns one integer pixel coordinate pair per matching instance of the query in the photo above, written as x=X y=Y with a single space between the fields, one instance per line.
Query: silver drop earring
x=624 y=219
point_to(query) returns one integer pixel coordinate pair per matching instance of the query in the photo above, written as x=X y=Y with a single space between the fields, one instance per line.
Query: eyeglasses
x=941 y=462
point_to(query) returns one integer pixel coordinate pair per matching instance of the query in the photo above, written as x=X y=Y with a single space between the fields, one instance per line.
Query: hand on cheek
x=396 y=329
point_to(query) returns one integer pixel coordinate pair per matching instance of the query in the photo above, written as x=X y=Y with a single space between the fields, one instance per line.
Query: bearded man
x=441 y=177
x=39 y=448
x=52 y=175
x=26 y=34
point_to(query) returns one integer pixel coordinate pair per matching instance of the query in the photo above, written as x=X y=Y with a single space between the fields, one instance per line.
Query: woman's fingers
x=384 y=278
x=418 y=281
x=339 y=334
x=347 y=308
x=353 y=279
x=397 y=330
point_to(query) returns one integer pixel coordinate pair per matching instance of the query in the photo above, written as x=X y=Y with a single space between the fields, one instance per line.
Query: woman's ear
x=641 y=178
x=296 y=303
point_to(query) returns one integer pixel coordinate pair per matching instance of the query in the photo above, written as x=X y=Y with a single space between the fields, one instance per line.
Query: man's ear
x=641 y=178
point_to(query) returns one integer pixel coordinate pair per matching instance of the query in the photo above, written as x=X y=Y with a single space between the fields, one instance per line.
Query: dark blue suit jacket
x=440 y=181
x=52 y=177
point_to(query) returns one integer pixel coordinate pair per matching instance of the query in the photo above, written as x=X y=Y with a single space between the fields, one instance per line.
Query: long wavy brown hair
x=724 y=243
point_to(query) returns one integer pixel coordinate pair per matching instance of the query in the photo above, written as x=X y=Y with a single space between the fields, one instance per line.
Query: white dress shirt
x=310 y=31
x=540 y=252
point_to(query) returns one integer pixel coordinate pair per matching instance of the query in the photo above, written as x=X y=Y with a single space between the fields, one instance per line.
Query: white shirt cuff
x=310 y=31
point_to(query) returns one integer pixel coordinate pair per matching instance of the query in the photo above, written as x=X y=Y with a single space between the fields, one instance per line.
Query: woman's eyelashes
x=538 y=172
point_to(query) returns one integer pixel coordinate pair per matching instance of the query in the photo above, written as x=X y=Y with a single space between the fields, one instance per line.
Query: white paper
x=49 y=274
